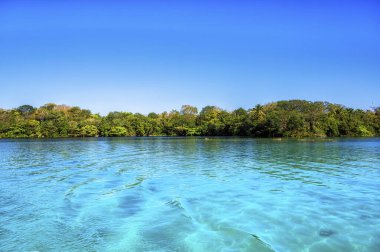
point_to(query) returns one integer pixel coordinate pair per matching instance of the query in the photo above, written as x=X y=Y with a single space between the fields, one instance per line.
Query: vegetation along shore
x=293 y=118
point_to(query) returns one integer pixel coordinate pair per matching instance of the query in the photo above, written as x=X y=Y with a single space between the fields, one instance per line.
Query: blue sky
x=143 y=56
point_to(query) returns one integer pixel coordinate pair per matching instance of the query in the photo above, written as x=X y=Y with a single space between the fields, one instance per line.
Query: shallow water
x=190 y=194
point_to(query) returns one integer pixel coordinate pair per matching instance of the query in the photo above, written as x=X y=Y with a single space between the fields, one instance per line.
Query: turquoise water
x=195 y=194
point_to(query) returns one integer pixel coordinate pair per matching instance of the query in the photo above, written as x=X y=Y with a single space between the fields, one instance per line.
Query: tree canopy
x=292 y=118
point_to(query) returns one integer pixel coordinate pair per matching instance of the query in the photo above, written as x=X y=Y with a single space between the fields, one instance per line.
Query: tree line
x=293 y=118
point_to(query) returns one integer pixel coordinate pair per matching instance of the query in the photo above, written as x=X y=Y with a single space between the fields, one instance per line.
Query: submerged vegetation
x=294 y=118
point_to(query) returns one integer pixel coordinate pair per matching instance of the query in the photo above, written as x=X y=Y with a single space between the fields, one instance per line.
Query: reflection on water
x=189 y=194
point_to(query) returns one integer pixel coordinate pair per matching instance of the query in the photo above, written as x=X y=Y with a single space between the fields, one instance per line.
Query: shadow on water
x=130 y=205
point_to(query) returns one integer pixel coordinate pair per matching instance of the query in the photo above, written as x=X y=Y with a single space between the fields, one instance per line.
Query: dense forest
x=293 y=118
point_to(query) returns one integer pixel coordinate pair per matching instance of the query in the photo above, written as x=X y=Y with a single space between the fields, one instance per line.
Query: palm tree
x=257 y=112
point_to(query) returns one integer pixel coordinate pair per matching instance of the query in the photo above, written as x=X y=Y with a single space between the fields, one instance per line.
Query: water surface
x=190 y=194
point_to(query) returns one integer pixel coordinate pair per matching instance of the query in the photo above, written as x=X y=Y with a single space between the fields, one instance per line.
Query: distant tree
x=153 y=115
x=209 y=120
x=26 y=110
x=117 y=131
x=292 y=118
x=89 y=131
x=189 y=110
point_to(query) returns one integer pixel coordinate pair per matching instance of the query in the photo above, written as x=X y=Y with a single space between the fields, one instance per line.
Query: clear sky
x=143 y=56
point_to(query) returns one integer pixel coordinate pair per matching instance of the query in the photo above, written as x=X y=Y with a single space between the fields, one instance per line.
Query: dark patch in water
x=153 y=189
x=69 y=209
x=3 y=232
x=326 y=232
x=259 y=245
x=130 y=204
x=365 y=217
x=259 y=240
x=175 y=204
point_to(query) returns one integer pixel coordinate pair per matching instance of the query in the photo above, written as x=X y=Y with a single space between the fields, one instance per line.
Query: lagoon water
x=190 y=194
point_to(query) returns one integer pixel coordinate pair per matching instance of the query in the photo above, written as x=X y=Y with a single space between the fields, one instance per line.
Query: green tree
x=89 y=131
x=292 y=118
x=26 y=110
x=117 y=131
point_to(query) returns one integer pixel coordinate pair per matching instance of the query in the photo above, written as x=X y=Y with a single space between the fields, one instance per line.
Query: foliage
x=293 y=118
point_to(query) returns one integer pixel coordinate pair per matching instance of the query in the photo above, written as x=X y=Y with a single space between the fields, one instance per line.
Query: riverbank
x=294 y=118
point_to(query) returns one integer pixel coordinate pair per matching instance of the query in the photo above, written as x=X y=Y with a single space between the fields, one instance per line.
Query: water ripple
x=189 y=194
